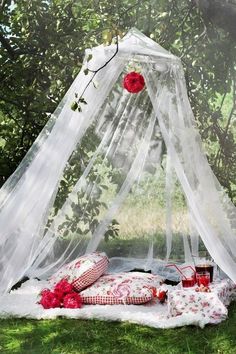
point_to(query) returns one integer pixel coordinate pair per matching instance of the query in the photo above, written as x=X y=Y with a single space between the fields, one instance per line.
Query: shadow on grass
x=80 y=336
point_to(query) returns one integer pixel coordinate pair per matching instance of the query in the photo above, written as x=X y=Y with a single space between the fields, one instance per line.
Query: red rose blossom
x=134 y=82
x=72 y=301
x=49 y=299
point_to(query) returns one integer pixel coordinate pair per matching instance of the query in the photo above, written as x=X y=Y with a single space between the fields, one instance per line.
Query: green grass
x=66 y=336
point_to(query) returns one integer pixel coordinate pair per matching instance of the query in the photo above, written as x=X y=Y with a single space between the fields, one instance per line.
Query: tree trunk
x=221 y=13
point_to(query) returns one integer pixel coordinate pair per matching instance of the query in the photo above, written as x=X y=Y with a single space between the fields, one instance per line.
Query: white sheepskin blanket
x=23 y=303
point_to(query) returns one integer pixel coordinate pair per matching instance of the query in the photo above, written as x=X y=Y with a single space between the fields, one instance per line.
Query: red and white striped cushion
x=83 y=271
x=121 y=288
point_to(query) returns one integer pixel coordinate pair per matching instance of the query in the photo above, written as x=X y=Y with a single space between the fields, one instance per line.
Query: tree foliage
x=42 y=48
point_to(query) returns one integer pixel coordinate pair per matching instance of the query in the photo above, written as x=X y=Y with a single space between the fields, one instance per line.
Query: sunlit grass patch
x=67 y=336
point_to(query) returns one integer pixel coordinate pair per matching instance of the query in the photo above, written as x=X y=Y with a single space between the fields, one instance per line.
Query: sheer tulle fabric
x=130 y=134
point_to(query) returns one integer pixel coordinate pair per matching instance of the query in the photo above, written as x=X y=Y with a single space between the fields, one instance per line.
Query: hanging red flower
x=134 y=82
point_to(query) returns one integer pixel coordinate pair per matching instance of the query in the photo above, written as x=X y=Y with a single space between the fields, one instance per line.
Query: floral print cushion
x=210 y=307
x=122 y=288
x=83 y=271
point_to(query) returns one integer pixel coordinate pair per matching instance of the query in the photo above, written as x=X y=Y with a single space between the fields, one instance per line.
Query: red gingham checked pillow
x=83 y=271
x=121 y=288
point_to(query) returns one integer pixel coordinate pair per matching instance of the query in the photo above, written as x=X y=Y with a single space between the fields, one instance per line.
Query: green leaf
x=82 y=100
x=2 y=142
x=90 y=56
x=74 y=106
x=66 y=233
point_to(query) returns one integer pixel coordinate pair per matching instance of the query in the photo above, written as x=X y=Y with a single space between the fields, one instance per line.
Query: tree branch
x=231 y=112
x=193 y=43
x=221 y=13
x=3 y=4
x=7 y=46
x=14 y=120
x=14 y=53
x=10 y=101
x=217 y=158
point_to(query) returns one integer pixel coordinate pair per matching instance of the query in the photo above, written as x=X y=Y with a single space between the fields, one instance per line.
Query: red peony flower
x=72 y=301
x=45 y=291
x=63 y=287
x=60 y=294
x=49 y=299
x=133 y=82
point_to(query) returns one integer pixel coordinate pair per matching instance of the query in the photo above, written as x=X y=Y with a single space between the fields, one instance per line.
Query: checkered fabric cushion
x=110 y=300
x=83 y=271
x=121 y=288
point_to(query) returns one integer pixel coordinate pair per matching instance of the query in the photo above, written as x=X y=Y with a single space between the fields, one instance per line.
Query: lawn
x=66 y=336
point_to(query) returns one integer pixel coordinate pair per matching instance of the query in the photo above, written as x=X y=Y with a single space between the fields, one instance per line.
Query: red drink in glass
x=203 y=278
x=205 y=268
x=188 y=283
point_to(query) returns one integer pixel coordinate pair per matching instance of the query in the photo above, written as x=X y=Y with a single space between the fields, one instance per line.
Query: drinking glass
x=205 y=268
x=188 y=281
x=203 y=278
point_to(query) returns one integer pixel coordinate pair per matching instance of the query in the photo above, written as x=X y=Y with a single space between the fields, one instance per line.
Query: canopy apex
x=137 y=43
x=139 y=38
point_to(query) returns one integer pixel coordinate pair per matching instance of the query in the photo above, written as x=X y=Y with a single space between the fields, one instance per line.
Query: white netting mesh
x=57 y=206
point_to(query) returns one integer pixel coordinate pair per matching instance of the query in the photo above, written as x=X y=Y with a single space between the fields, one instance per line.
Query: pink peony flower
x=72 y=301
x=49 y=299
x=134 y=82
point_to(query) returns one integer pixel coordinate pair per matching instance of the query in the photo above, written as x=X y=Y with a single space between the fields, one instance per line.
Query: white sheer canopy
x=47 y=219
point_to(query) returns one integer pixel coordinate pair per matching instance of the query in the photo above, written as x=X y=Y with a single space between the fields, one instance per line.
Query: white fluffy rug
x=23 y=303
